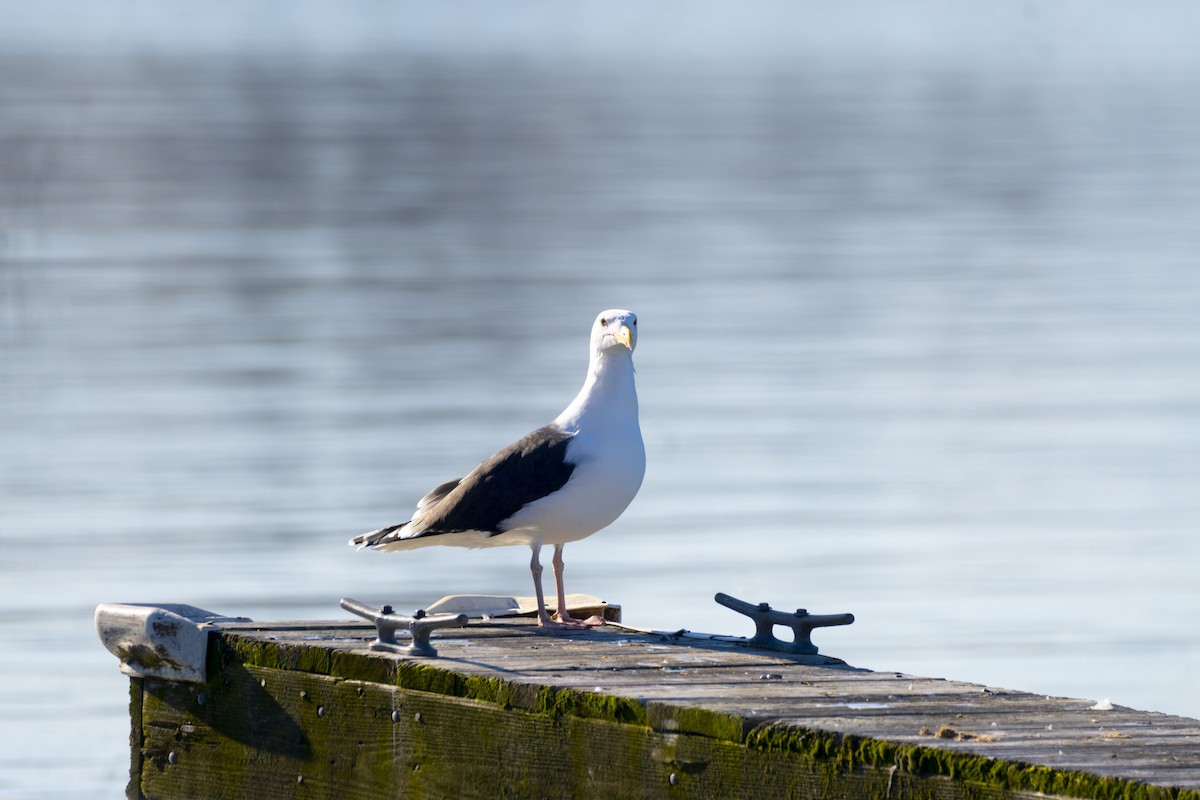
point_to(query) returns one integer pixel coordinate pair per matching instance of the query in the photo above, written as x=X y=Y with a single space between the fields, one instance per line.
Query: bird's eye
x=603 y=322
x=635 y=323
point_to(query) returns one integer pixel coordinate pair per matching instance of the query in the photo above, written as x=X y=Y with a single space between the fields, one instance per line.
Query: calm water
x=919 y=340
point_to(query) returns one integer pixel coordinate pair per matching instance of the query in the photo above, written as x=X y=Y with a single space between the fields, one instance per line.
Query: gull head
x=615 y=331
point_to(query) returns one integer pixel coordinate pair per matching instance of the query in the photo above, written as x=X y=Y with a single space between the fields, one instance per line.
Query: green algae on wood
x=286 y=713
x=848 y=753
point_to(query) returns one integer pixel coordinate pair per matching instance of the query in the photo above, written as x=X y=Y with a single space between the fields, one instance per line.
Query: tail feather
x=375 y=537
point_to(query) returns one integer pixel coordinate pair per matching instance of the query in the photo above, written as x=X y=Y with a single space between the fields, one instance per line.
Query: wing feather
x=520 y=474
x=525 y=471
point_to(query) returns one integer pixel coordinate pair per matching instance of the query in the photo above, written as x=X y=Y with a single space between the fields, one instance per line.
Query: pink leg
x=563 y=616
x=544 y=618
x=535 y=567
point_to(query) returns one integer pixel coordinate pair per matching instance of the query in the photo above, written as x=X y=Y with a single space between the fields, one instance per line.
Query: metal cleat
x=765 y=619
x=419 y=625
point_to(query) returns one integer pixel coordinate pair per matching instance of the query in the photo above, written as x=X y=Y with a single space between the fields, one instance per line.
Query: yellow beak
x=625 y=336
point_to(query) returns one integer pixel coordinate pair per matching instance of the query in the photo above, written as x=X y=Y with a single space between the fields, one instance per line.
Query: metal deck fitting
x=766 y=618
x=387 y=622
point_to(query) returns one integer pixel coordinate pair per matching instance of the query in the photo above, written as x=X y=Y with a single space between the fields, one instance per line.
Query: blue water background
x=919 y=293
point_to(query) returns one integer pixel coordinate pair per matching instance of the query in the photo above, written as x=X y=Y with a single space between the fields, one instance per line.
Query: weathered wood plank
x=349 y=739
x=136 y=738
x=509 y=710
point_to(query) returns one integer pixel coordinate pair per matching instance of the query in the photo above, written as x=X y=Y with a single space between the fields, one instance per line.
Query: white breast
x=610 y=462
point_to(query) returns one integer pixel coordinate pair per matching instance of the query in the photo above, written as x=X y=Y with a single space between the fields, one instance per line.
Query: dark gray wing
x=437 y=494
x=521 y=473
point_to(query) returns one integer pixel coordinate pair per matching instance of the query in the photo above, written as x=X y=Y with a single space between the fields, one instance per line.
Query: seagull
x=559 y=484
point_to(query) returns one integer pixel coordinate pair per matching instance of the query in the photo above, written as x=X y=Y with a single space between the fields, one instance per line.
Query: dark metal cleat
x=766 y=618
x=419 y=625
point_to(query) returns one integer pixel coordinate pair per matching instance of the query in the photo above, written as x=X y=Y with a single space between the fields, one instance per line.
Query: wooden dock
x=305 y=709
